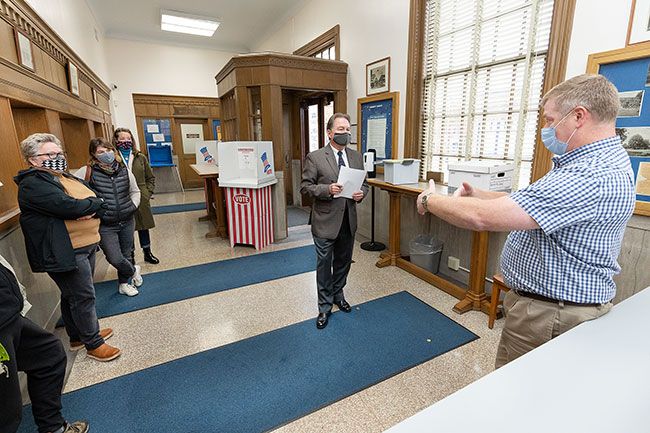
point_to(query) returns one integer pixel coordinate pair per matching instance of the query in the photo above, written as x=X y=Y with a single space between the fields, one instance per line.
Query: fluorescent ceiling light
x=172 y=21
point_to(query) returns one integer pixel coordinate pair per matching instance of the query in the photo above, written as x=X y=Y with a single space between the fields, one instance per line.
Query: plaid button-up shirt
x=582 y=206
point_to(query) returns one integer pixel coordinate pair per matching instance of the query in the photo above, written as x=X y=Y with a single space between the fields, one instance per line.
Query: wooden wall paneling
x=77 y=134
x=98 y=130
x=39 y=62
x=260 y=75
x=29 y=121
x=341 y=102
x=54 y=123
x=7 y=42
x=272 y=123
x=241 y=98
x=10 y=163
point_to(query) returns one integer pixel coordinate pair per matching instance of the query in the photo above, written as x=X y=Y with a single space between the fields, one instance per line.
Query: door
x=187 y=133
x=315 y=111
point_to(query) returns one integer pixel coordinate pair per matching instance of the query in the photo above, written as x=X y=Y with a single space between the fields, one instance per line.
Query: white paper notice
x=377 y=136
x=351 y=179
x=245 y=158
x=158 y=137
x=152 y=129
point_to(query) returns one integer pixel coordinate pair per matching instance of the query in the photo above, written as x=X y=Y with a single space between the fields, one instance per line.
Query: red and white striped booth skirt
x=250 y=216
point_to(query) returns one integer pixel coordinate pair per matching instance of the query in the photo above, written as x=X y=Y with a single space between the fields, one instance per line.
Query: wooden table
x=471 y=298
x=214 y=200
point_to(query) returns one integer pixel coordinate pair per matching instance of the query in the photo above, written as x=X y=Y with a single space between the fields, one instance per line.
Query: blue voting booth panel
x=158 y=137
x=160 y=155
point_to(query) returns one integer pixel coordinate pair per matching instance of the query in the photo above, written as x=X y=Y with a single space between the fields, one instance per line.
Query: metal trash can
x=425 y=252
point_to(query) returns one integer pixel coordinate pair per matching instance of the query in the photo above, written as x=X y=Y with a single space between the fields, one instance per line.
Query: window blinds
x=483 y=74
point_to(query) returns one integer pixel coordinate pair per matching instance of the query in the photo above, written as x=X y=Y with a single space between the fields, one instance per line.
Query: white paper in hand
x=351 y=179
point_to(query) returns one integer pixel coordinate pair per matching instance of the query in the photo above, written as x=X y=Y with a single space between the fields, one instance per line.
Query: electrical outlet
x=453 y=263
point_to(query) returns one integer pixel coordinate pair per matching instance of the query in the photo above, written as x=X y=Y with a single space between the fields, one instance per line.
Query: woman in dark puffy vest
x=112 y=181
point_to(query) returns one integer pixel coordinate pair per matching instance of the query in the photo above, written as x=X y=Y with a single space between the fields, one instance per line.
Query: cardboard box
x=401 y=171
x=487 y=175
x=245 y=164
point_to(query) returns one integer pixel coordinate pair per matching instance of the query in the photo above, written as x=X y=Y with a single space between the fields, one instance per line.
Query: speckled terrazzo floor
x=206 y=322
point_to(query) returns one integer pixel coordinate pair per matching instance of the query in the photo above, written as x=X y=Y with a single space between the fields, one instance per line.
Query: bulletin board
x=629 y=70
x=377 y=118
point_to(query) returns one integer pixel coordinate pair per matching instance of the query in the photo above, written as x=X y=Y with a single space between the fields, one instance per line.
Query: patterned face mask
x=124 y=145
x=57 y=164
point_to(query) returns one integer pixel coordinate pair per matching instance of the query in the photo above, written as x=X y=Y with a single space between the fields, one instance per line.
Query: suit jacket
x=321 y=170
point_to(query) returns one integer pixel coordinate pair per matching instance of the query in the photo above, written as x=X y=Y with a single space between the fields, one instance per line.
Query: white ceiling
x=244 y=23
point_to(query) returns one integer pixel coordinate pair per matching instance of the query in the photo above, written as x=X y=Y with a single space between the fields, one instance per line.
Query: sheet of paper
x=377 y=136
x=152 y=129
x=351 y=179
x=158 y=137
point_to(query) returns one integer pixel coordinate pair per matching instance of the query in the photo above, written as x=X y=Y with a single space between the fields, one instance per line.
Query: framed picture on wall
x=73 y=78
x=377 y=126
x=638 y=29
x=629 y=70
x=378 y=77
x=24 y=49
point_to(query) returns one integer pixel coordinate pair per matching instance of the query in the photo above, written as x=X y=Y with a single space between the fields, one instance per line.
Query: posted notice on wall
x=377 y=136
x=152 y=129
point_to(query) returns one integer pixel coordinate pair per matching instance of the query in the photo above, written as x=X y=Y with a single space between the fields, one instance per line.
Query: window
x=484 y=65
x=325 y=46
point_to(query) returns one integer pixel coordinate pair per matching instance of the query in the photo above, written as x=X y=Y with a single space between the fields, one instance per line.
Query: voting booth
x=247 y=175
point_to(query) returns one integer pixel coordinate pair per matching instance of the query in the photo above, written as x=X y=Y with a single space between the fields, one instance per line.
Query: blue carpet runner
x=265 y=381
x=184 y=283
x=173 y=208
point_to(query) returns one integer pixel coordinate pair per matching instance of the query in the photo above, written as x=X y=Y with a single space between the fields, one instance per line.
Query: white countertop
x=594 y=378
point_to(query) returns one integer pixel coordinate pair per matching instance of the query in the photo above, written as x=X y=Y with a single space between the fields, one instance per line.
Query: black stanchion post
x=369 y=164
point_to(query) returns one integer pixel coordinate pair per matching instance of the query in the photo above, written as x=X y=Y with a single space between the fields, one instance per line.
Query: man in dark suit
x=333 y=220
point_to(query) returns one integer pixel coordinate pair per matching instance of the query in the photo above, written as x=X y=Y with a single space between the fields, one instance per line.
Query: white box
x=246 y=164
x=487 y=175
x=401 y=171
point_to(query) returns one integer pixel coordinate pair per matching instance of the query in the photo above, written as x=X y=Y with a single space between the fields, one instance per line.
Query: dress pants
x=78 y=299
x=41 y=356
x=333 y=260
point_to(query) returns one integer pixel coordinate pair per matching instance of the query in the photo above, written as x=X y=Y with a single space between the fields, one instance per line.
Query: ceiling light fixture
x=180 y=22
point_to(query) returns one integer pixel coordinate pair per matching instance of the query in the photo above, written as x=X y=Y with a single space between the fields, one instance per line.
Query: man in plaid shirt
x=566 y=229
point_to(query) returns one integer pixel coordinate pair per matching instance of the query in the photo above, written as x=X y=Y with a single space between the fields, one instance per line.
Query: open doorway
x=315 y=111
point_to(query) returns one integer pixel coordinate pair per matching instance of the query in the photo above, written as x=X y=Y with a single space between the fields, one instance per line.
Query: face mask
x=550 y=140
x=342 y=139
x=124 y=145
x=106 y=157
x=58 y=164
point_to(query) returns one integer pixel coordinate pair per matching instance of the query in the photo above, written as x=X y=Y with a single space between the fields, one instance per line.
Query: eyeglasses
x=52 y=155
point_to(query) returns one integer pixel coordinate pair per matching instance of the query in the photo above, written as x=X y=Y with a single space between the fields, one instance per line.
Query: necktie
x=341 y=162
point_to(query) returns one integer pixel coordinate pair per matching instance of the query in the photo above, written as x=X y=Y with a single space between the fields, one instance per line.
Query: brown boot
x=104 y=353
x=104 y=333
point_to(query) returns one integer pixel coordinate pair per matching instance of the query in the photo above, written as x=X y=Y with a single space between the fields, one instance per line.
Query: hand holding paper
x=351 y=179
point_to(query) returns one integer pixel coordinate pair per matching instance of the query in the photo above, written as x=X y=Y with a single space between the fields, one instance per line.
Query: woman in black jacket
x=61 y=236
x=115 y=184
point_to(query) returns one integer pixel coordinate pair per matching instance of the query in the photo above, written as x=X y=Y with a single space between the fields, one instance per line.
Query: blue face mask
x=550 y=140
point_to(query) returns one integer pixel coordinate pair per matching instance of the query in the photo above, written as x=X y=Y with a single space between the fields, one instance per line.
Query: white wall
x=370 y=30
x=142 y=67
x=598 y=25
x=74 y=22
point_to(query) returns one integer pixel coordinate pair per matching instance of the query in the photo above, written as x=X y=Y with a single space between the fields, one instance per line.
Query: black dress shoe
x=150 y=258
x=321 y=320
x=344 y=306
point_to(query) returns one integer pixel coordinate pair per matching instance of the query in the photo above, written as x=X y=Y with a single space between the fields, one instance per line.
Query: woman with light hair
x=60 y=222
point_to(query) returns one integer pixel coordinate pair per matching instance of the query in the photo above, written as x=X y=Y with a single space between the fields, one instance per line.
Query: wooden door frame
x=177 y=144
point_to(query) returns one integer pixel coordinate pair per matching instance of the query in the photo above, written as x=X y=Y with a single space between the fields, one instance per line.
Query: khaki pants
x=531 y=323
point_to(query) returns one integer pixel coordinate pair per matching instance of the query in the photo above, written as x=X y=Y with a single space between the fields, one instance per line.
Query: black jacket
x=114 y=188
x=11 y=300
x=44 y=207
